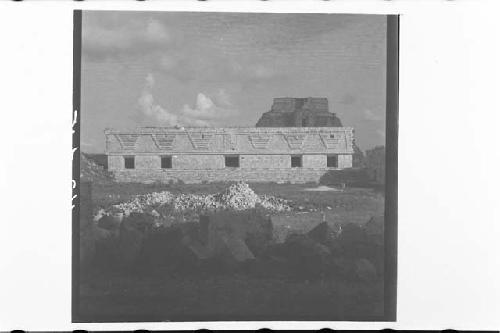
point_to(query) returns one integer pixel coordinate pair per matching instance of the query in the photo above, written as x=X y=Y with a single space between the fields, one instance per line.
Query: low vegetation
x=327 y=262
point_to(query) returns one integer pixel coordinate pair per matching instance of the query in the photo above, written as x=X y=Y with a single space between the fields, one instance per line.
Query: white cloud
x=152 y=110
x=204 y=113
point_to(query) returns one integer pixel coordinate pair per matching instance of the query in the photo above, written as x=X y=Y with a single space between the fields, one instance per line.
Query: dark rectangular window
x=296 y=161
x=332 y=161
x=166 y=162
x=232 y=161
x=129 y=162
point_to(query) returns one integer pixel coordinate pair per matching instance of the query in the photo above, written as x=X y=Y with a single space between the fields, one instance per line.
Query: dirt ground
x=248 y=293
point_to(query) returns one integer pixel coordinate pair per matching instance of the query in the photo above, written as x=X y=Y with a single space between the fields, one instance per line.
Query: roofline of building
x=296 y=98
x=241 y=130
x=172 y=152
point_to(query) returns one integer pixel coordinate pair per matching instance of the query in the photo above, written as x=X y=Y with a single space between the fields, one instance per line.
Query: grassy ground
x=170 y=295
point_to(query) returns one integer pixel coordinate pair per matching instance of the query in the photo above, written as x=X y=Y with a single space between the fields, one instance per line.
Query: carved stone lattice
x=230 y=142
x=200 y=141
x=295 y=140
x=260 y=141
x=127 y=141
x=331 y=140
x=164 y=141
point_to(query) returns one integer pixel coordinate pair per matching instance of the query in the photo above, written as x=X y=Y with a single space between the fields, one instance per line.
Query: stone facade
x=196 y=155
x=299 y=112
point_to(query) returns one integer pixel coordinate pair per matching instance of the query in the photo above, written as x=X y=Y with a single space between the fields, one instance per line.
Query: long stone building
x=253 y=154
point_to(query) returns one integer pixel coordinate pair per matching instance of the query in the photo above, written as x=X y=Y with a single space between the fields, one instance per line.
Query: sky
x=224 y=69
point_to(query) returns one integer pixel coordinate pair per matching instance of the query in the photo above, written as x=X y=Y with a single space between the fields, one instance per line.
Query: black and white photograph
x=233 y=167
x=246 y=165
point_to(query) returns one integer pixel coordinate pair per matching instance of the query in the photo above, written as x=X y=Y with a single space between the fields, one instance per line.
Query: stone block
x=345 y=161
x=147 y=162
x=314 y=161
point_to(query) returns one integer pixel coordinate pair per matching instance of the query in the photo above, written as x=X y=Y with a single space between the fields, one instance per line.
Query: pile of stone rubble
x=237 y=197
x=142 y=203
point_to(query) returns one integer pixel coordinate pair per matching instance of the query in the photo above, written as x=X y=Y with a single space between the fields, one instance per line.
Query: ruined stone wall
x=290 y=104
x=299 y=112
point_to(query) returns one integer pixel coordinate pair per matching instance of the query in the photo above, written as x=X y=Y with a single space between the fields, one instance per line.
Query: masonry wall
x=265 y=161
x=147 y=162
x=197 y=162
x=198 y=154
x=314 y=161
x=217 y=161
x=115 y=162
x=293 y=176
x=211 y=168
x=345 y=161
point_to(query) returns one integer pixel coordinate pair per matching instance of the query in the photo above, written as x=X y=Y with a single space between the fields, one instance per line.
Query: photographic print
x=234 y=166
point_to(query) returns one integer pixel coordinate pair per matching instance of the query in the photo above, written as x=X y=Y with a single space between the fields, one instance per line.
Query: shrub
x=351 y=176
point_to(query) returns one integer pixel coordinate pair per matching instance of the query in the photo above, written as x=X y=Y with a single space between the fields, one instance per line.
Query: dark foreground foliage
x=330 y=270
